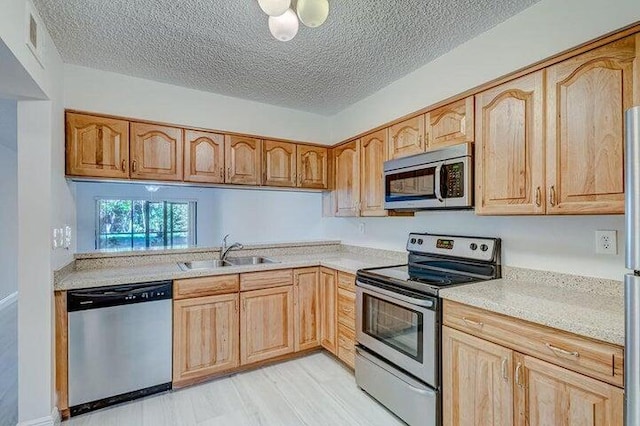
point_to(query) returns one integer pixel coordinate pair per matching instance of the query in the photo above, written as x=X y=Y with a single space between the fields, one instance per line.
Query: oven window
x=394 y=325
x=417 y=184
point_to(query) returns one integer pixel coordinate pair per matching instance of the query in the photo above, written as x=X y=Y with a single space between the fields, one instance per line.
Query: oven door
x=415 y=187
x=400 y=328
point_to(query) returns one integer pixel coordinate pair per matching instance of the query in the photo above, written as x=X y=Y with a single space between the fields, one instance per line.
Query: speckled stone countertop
x=343 y=261
x=585 y=306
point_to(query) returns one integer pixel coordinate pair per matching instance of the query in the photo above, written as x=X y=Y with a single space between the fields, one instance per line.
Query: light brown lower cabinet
x=205 y=336
x=487 y=384
x=329 y=312
x=266 y=324
x=307 y=308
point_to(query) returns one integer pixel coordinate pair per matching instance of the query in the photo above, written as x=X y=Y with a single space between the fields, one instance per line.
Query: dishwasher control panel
x=103 y=297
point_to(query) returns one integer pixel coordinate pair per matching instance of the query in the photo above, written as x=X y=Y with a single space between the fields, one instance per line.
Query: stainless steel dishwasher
x=120 y=340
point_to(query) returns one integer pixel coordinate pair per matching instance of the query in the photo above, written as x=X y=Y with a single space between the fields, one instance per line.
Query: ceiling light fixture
x=283 y=16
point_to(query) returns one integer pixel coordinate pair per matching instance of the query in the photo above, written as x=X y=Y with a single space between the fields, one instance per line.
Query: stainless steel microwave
x=440 y=179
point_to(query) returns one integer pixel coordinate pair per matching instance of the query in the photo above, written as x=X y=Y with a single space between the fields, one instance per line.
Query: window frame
x=191 y=231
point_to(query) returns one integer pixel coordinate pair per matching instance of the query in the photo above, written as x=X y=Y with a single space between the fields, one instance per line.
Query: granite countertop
x=595 y=309
x=346 y=262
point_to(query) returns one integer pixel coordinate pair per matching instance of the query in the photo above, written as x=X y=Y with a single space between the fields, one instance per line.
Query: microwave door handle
x=438 y=189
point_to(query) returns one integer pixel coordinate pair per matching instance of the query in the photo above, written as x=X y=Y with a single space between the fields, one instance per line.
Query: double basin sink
x=230 y=261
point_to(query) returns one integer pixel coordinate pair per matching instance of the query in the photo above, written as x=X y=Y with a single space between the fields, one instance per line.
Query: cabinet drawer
x=347 y=308
x=599 y=360
x=266 y=279
x=205 y=286
x=347 y=281
x=346 y=345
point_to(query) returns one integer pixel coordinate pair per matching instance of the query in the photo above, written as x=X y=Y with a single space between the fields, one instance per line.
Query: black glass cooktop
x=432 y=277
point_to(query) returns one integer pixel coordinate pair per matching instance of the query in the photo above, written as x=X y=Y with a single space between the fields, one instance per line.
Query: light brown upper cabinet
x=203 y=157
x=307 y=308
x=347 y=179
x=312 y=167
x=243 y=158
x=97 y=146
x=407 y=138
x=450 y=124
x=156 y=152
x=279 y=163
x=266 y=324
x=510 y=148
x=373 y=153
x=586 y=99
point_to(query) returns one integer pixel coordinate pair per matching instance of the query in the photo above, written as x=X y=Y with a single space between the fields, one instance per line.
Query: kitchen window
x=140 y=224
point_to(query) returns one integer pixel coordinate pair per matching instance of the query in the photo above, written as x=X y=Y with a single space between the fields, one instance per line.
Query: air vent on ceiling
x=34 y=29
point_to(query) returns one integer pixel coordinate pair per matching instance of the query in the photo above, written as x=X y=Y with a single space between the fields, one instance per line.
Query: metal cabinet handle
x=221 y=172
x=472 y=322
x=519 y=382
x=228 y=172
x=133 y=166
x=552 y=195
x=123 y=166
x=347 y=310
x=505 y=373
x=561 y=351
x=538 y=197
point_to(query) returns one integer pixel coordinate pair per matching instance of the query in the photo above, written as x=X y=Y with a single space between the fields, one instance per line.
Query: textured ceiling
x=224 y=46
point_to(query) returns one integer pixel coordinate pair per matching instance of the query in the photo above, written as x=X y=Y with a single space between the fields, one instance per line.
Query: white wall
x=110 y=93
x=248 y=215
x=561 y=244
x=8 y=198
x=545 y=29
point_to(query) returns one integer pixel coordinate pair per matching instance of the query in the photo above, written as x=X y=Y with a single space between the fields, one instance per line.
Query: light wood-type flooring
x=9 y=365
x=313 y=390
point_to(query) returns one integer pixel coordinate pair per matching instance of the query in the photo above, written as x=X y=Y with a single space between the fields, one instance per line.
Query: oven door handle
x=426 y=303
x=438 y=188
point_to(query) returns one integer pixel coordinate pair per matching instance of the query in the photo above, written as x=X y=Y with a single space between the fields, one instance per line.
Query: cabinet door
x=205 y=336
x=373 y=153
x=312 y=167
x=279 y=167
x=477 y=381
x=450 y=124
x=156 y=152
x=97 y=146
x=203 y=157
x=586 y=97
x=307 y=304
x=243 y=157
x=329 y=313
x=510 y=148
x=551 y=395
x=266 y=324
x=407 y=138
x=347 y=179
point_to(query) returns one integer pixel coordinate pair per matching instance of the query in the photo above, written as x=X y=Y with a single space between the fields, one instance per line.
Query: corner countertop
x=341 y=261
x=588 y=307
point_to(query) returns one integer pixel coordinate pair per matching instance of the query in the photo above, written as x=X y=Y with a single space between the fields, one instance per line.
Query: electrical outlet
x=361 y=227
x=606 y=242
x=56 y=238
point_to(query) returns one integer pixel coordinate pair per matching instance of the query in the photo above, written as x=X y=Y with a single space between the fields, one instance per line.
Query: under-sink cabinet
x=499 y=370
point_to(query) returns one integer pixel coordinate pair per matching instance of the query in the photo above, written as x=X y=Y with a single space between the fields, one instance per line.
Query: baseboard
x=9 y=300
x=50 y=420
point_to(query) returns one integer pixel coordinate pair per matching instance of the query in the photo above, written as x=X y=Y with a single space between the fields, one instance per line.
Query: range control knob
x=420 y=241
x=473 y=246
x=413 y=241
x=484 y=247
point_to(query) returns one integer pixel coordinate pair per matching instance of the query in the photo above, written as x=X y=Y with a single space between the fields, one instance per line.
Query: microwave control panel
x=454 y=180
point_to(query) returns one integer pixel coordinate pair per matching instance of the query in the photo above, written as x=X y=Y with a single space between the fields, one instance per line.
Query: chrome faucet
x=224 y=250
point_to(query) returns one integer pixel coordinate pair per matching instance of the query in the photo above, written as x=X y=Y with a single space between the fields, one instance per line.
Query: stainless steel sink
x=203 y=264
x=249 y=260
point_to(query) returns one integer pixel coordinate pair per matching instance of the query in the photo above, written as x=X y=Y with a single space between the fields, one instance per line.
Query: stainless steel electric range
x=398 y=320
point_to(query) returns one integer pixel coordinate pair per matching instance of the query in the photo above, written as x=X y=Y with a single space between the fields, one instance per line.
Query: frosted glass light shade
x=274 y=7
x=285 y=26
x=313 y=13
